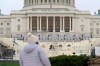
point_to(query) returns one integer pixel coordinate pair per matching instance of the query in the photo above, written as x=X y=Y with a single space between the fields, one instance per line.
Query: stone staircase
x=19 y=44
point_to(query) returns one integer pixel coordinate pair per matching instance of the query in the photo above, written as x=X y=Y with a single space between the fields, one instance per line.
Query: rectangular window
x=57 y=1
x=45 y=1
x=53 y=1
x=1 y=30
x=97 y=31
x=91 y=24
x=82 y=29
x=49 y=1
x=81 y=51
x=18 y=27
x=97 y=23
x=91 y=30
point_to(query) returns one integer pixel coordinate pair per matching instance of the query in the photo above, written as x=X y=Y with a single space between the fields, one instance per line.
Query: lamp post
x=13 y=49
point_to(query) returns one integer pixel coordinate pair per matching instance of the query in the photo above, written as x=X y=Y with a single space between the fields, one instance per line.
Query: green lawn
x=9 y=64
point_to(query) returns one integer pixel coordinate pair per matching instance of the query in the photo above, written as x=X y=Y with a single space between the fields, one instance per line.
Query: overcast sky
x=85 y=5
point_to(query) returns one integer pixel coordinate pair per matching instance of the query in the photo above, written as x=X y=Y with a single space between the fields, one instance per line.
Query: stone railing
x=61 y=36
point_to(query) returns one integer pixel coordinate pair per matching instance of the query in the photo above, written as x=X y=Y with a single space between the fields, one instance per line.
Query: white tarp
x=97 y=51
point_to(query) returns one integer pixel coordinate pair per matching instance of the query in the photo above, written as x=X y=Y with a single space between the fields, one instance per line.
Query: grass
x=9 y=64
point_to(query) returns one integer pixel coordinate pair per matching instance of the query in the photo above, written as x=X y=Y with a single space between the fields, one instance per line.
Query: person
x=32 y=54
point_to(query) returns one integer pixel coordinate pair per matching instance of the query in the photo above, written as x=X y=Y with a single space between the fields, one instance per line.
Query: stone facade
x=51 y=21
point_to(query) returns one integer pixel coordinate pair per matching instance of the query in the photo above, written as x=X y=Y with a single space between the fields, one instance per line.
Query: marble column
x=31 y=2
x=28 y=2
x=64 y=1
x=37 y=24
x=53 y=24
x=31 y=24
x=34 y=2
x=27 y=23
x=47 y=1
x=47 y=22
x=43 y=1
x=25 y=3
x=70 y=23
x=40 y=23
x=56 y=1
x=63 y=25
x=68 y=2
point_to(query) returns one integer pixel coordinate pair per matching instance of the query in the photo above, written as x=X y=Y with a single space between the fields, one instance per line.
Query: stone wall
x=94 y=62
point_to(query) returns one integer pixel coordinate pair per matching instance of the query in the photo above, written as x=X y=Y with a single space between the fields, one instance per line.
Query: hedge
x=69 y=60
x=62 y=60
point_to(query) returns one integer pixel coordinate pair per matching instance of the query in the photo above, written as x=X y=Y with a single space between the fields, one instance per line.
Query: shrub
x=64 y=60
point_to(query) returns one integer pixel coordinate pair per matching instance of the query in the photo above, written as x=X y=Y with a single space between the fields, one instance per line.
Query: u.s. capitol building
x=54 y=22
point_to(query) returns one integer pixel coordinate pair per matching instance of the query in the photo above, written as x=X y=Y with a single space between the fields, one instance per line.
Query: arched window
x=18 y=27
x=8 y=23
x=1 y=23
x=68 y=45
x=60 y=45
